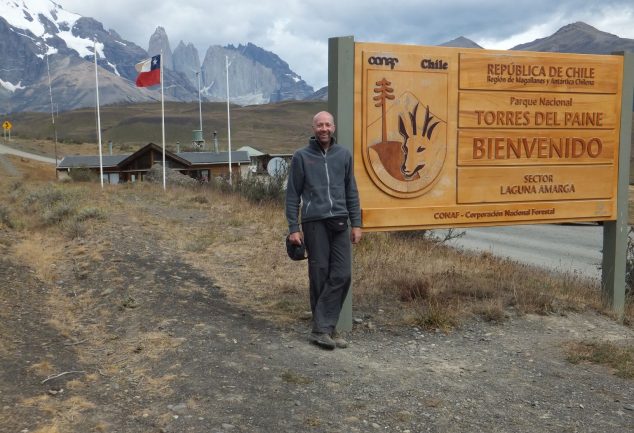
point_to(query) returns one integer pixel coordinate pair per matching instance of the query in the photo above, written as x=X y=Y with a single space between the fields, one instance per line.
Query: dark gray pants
x=329 y=272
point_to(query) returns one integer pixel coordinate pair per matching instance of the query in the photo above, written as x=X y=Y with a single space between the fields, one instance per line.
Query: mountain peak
x=45 y=19
x=460 y=42
x=580 y=26
x=160 y=44
x=579 y=37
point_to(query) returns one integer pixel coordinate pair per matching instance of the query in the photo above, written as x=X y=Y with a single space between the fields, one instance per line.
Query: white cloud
x=534 y=32
x=298 y=31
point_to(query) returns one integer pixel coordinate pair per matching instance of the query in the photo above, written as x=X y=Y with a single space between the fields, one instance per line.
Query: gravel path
x=4 y=149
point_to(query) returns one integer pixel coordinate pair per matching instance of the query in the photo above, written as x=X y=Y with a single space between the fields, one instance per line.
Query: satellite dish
x=277 y=167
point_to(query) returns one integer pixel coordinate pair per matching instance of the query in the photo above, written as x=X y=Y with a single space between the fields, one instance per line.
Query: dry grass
x=398 y=279
x=41 y=253
x=34 y=170
x=617 y=356
x=295 y=378
x=430 y=285
x=63 y=412
x=134 y=126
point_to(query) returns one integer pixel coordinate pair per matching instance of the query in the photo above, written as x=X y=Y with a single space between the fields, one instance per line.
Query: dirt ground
x=121 y=332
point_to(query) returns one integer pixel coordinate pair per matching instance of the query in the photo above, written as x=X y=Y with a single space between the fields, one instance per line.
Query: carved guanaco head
x=414 y=144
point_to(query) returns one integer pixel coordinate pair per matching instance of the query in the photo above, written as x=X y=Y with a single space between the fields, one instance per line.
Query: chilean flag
x=149 y=72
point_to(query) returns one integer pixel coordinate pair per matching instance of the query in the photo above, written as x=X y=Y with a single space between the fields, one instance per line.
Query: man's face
x=323 y=127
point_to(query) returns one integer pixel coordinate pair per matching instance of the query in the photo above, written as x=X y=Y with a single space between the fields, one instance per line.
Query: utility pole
x=228 y=116
x=200 y=108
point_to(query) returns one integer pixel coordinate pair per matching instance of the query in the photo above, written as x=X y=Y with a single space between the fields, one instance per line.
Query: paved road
x=4 y=149
x=574 y=248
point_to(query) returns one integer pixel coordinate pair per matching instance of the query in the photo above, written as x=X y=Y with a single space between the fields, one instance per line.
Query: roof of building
x=215 y=158
x=251 y=151
x=91 y=161
x=186 y=158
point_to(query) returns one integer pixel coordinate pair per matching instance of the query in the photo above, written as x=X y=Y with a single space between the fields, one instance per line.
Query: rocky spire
x=158 y=42
x=186 y=60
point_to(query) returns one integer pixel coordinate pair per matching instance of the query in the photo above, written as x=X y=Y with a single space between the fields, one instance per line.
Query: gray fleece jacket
x=324 y=184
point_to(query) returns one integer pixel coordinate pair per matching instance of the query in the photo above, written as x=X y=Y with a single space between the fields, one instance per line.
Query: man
x=321 y=178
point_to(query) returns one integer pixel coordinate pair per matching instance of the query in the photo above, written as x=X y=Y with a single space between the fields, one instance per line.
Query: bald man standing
x=322 y=190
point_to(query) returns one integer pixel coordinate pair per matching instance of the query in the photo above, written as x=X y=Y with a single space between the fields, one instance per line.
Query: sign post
x=615 y=233
x=6 y=126
x=341 y=106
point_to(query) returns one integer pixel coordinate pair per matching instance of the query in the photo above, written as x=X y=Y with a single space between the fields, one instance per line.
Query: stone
x=179 y=408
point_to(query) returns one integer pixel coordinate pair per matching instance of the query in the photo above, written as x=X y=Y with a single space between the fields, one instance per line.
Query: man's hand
x=355 y=235
x=296 y=238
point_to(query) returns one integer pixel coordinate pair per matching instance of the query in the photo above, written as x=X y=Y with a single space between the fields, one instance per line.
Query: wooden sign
x=449 y=137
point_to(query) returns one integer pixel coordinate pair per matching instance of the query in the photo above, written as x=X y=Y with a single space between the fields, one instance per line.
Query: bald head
x=324 y=127
x=323 y=115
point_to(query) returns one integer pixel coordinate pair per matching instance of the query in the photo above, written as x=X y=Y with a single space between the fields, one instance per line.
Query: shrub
x=46 y=197
x=50 y=205
x=74 y=229
x=56 y=214
x=258 y=189
x=89 y=213
x=5 y=217
x=83 y=174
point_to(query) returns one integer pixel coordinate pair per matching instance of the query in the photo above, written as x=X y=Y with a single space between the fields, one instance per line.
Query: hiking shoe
x=340 y=342
x=323 y=340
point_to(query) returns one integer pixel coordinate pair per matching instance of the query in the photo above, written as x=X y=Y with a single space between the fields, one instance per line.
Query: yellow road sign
x=7 y=125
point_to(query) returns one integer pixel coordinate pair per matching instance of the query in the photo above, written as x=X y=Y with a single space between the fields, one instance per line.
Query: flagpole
x=228 y=117
x=98 y=115
x=50 y=92
x=163 y=118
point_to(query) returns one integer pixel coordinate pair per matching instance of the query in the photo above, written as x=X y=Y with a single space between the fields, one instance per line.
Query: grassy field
x=273 y=128
x=412 y=278
x=120 y=303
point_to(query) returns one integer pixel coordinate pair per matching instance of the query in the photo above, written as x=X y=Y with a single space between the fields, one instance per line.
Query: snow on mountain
x=45 y=19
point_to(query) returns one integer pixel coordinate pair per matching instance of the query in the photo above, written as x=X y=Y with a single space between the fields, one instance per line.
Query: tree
x=384 y=93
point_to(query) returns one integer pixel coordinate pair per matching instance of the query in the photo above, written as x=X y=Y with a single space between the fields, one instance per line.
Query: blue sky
x=298 y=30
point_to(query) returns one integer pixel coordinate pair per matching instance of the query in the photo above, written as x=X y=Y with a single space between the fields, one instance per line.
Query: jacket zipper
x=327 y=179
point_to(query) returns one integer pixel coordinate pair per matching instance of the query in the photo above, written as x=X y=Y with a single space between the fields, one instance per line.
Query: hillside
x=579 y=38
x=273 y=128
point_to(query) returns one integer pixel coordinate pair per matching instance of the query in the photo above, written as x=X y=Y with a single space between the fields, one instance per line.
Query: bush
x=83 y=174
x=258 y=189
x=57 y=214
x=90 y=213
x=50 y=205
x=46 y=197
x=5 y=217
x=74 y=229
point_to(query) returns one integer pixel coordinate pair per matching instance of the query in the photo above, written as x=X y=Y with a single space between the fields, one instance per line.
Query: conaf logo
x=380 y=61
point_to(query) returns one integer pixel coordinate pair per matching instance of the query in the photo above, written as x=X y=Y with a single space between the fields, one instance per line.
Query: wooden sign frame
x=344 y=97
x=456 y=137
